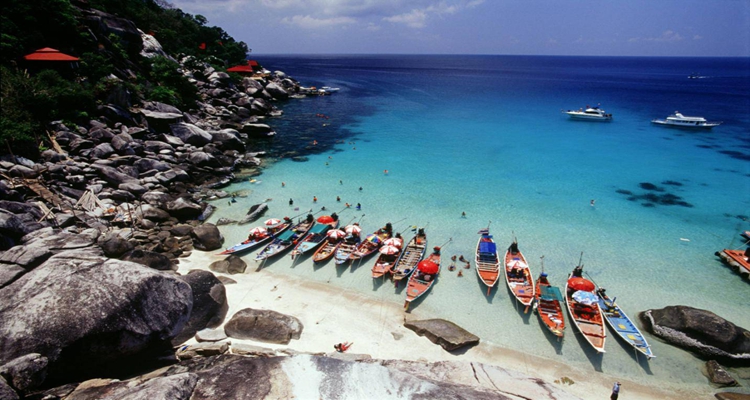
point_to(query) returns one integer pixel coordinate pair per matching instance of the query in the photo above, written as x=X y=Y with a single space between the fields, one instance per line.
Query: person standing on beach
x=615 y=391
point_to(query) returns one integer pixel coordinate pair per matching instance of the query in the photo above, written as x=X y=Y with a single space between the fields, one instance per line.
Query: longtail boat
x=548 y=306
x=738 y=260
x=286 y=240
x=423 y=278
x=334 y=238
x=487 y=260
x=316 y=235
x=389 y=254
x=623 y=326
x=371 y=243
x=410 y=257
x=349 y=244
x=259 y=235
x=583 y=307
x=518 y=276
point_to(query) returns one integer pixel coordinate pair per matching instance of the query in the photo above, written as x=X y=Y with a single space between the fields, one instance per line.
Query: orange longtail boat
x=423 y=278
x=487 y=260
x=518 y=276
x=583 y=307
x=548 y=306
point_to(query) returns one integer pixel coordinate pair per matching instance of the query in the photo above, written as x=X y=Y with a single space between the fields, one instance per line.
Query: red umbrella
x=394 y=242
x=258 y=230
x=353 y=229
x=390 y=250
x=428 y=267
x=326 y=219
x=336 y=234
x=578 y=283
x=272 y=222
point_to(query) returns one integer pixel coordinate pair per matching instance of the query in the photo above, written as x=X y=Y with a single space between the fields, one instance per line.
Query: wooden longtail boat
x=623 y=326
x=258 y=236
x=286 y=240
x=349 y=244
x=371 y=243
x=334 y=238
x=548 y=306
x=423 y=278
x=410 y=257
x=518 y=276
x=389 y=255
x=583 y=307
x=316 y=235
x=487 y=260
x=738 y=260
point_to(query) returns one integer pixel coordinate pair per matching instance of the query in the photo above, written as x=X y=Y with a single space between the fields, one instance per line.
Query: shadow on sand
x=595 y=358
x=556 y=342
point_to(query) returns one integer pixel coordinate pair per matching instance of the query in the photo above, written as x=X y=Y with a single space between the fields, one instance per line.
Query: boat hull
x=624 y=327
x=518 y=277
x=549 y=310
x=246 y=246
x=410 y=257
x=589 y=323
x=487 y=262
x=416 y=287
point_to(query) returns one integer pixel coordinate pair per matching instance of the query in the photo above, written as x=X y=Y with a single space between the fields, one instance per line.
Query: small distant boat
x=412 y=254
x=487 y=261
x=589 y=114
x=316 y=235
x=423 y=278
x=350 y=243
x=259 y=235
x=330 y=89
x=389 y=255
x=622 y=325
x=371 y=243
x=583 y=307
x=548 y=306
x=518 y=276
x=286 y=240
x=683 y=121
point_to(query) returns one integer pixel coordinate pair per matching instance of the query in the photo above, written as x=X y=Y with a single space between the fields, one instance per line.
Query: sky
x=704 y=28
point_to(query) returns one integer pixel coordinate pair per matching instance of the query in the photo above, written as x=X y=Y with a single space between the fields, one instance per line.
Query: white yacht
x=590 y=113
x=680 y=120
x=330 y=89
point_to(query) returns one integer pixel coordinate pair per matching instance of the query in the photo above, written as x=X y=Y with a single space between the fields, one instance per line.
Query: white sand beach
x=331 y=315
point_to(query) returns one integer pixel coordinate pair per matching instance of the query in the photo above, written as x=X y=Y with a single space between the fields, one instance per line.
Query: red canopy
x=584 y=284
x=49 y=54
x=326 y=219
x=428 y=267
x=250 y=67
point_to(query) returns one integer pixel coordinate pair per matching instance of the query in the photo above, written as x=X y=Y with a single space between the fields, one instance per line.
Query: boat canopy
x=551 y=293
x=487 y=247
x=287 y=235
x=319 y=228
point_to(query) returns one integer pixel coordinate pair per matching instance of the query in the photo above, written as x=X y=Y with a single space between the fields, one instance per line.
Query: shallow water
x=484 y=135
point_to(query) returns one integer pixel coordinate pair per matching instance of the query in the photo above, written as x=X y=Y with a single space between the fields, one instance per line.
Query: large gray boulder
x=112 y=175
x=174 y=387
x=149 y=259
x=718 y=375
x=40 y=245
x=90 y=315
x=26 y=372
x=207 y=237
x=203 y=160
x=183 y=209
x=190 y=134
x=258 y=130
x=263 y=325
x=277 y=91
x=209 y=304
x=230 y=265
x=445 y=333
x=700 y=331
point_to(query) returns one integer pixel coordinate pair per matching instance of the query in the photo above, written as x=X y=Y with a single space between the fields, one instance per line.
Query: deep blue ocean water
x=485 y=135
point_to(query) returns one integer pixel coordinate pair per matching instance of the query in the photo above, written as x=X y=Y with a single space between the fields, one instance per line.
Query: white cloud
x=697 y=37
x=309 y=22
x=413 y=19
x=666 y=36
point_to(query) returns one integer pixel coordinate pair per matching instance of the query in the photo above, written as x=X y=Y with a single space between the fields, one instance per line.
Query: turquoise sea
x=485 y=135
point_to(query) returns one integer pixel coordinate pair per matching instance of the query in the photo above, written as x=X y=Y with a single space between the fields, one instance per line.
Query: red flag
x=202 y=46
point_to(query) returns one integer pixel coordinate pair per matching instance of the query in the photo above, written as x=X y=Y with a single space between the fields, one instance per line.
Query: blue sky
x=534 y=27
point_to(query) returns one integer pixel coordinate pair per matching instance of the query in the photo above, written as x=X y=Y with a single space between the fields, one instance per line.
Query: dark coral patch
x=705 y=146
x=736 y=155
x=623 y=191
x=648 y=205
x=672 y=183
x=650 y=186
